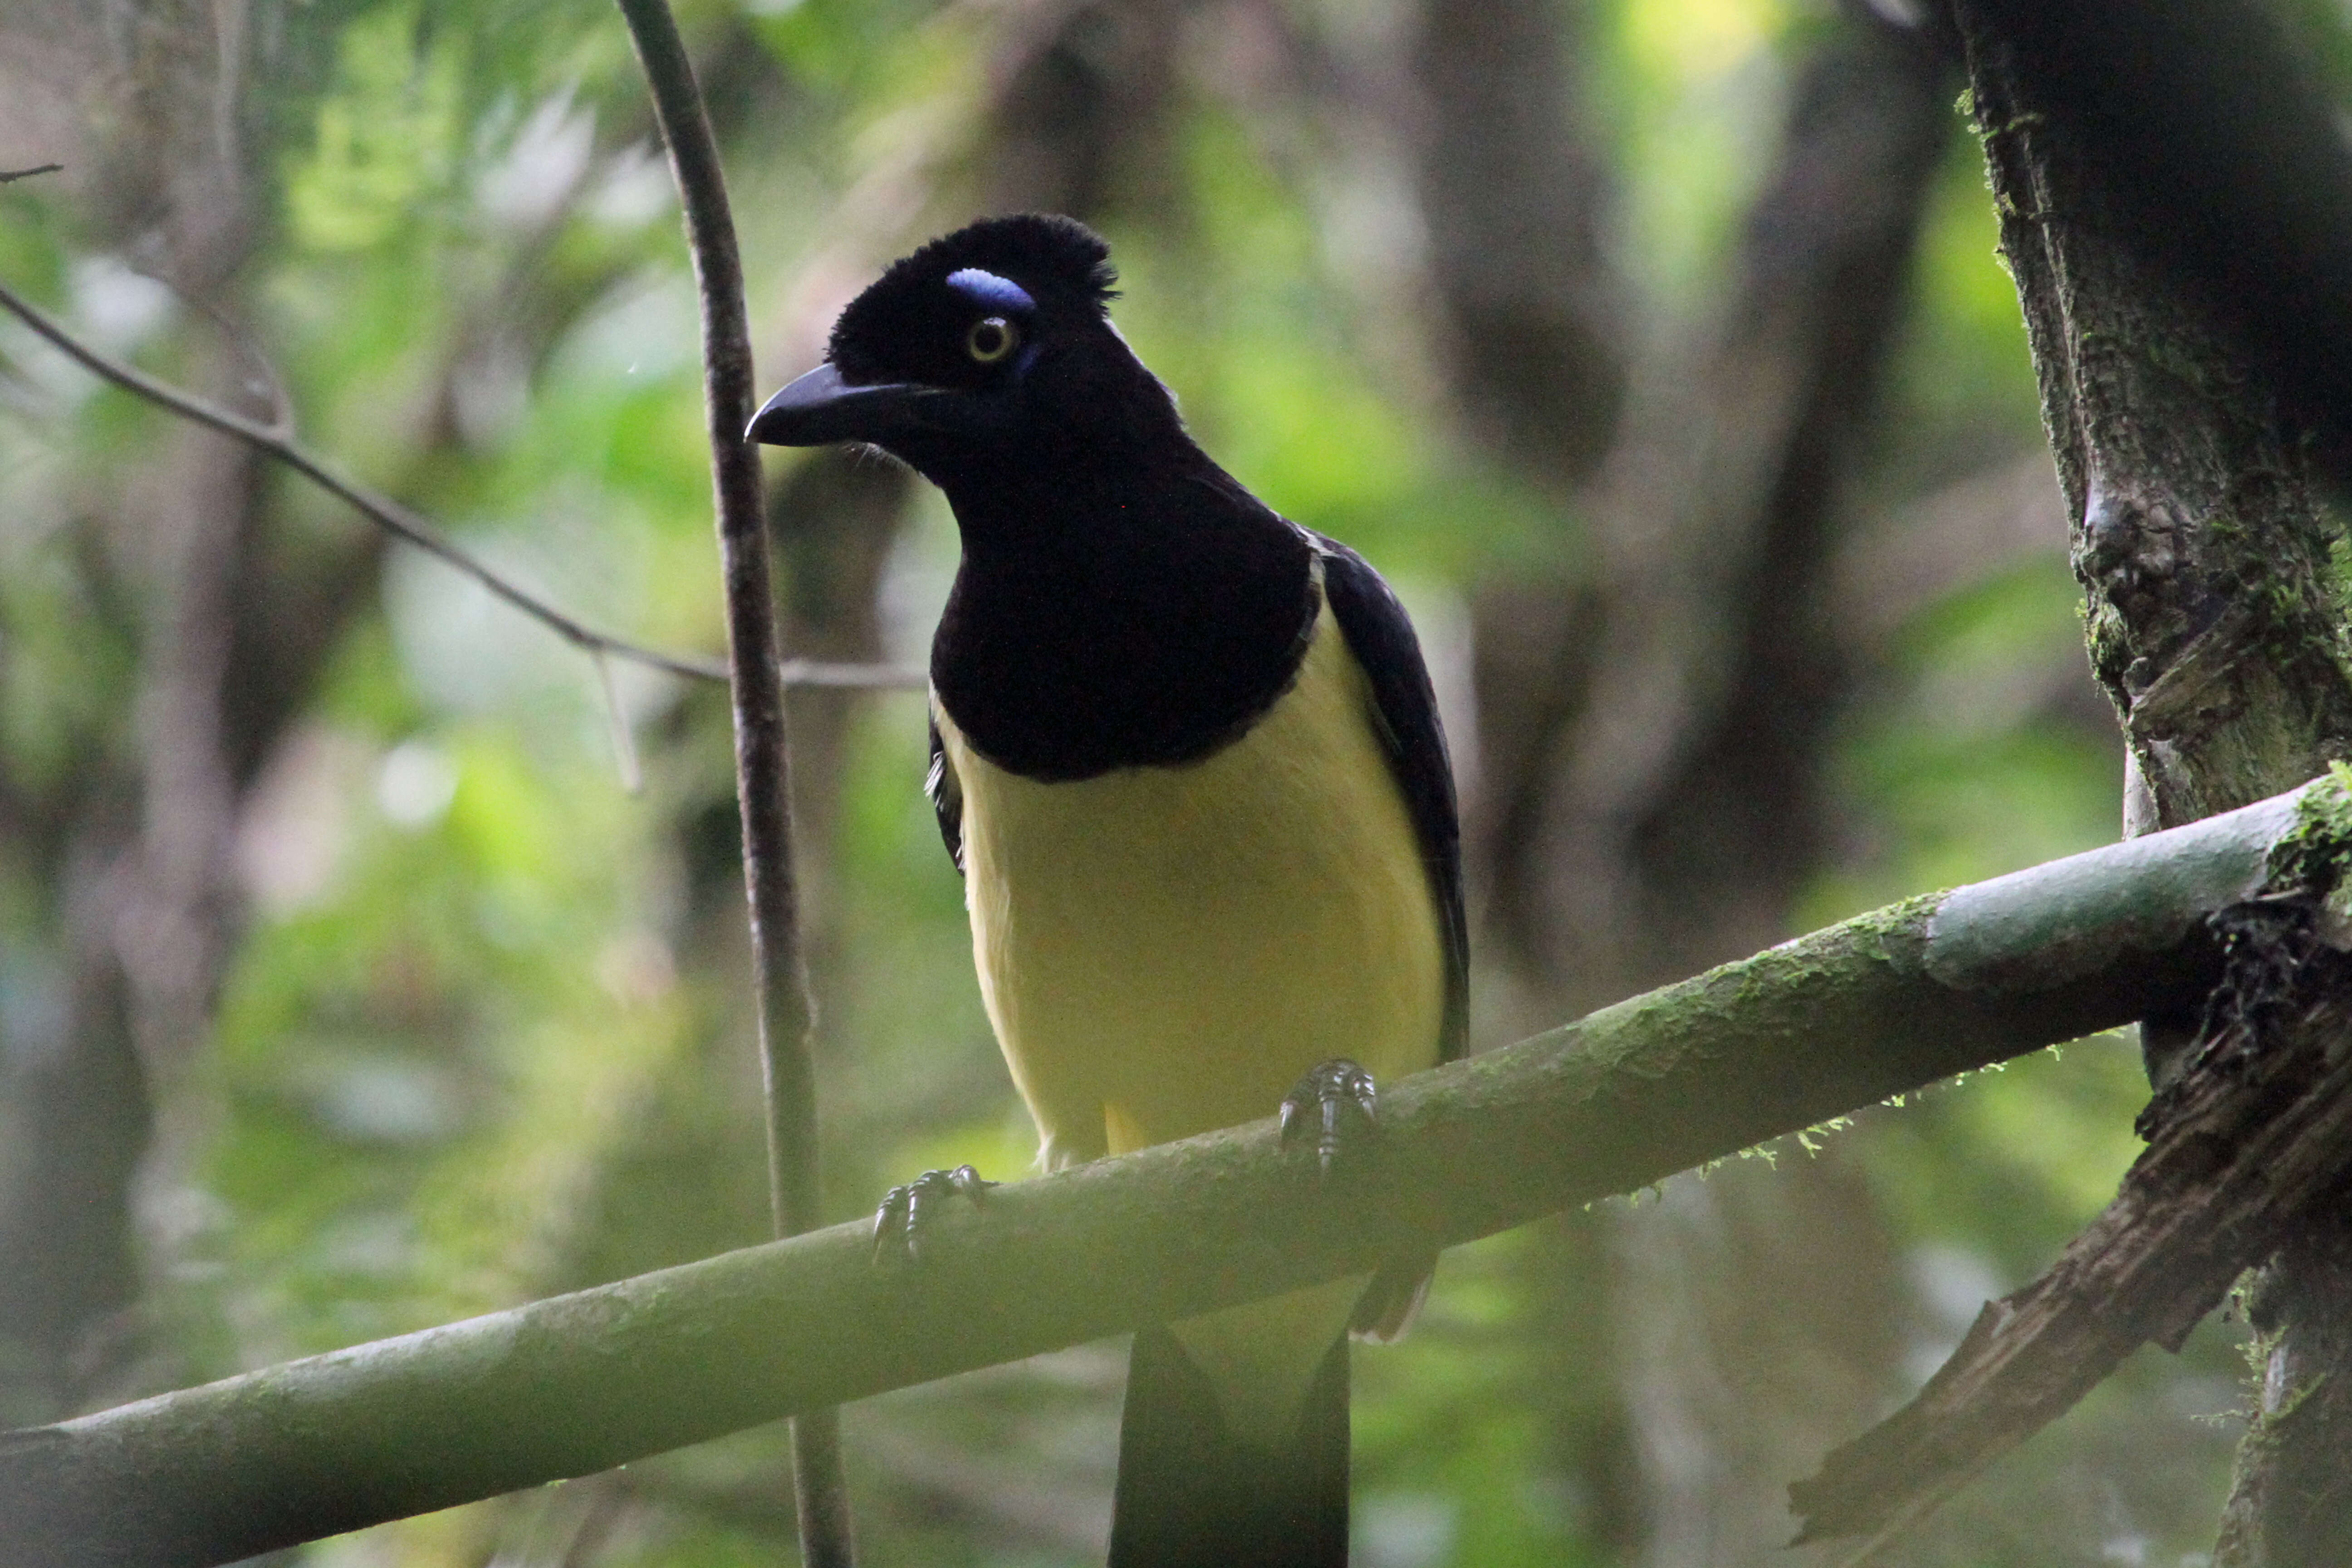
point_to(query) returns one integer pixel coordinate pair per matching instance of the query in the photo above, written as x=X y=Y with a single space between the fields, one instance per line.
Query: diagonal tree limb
x=1841 y=1019
x=2243 y=1146
x=411 y=527
x=762 y=753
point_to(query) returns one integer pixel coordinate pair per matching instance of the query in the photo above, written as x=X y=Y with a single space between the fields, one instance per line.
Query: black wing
x=1382 y=640
x=947 y=798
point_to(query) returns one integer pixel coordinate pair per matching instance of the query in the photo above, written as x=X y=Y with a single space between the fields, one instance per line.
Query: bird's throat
x=1101 y=626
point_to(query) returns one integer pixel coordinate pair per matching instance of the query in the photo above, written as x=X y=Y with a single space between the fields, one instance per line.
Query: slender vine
x=762 y=756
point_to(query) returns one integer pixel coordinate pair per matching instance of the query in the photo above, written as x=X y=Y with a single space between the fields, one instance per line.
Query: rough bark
x=2216 y=135
x=2212 y=622
x=1878 y=1005
x=2287 y=1502
x=2204 y=558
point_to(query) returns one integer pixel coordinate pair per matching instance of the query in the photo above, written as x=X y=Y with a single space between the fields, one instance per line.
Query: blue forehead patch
x=989 y=289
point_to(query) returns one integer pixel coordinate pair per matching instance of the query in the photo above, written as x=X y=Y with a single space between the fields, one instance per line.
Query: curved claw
x=1336 y=1088
x=906 y=1209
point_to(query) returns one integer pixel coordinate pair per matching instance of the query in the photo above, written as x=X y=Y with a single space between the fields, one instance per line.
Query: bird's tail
x=1191 y=1495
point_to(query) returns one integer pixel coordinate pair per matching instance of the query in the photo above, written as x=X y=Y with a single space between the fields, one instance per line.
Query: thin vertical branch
x=761 y=765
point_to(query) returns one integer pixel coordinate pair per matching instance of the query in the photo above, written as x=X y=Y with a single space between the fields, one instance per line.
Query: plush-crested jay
x=1186 y=755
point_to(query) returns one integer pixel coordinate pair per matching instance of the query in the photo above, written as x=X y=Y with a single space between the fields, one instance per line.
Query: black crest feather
x=1048 y=255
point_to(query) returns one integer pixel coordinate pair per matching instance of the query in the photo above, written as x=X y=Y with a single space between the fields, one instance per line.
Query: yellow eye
x=990 y=340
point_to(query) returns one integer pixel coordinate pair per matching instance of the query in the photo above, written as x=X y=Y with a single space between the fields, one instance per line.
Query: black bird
x=1186 y=754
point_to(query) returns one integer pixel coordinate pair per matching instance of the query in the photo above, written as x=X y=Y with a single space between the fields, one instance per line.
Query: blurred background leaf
x=1656 y=349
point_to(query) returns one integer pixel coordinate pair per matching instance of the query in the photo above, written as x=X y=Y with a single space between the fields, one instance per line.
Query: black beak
x=821 y=408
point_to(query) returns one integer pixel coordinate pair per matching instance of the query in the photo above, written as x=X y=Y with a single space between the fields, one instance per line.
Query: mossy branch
x=1844 y=1018
x=2242 y=1148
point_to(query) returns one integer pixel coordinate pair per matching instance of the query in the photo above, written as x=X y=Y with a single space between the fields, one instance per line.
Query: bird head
x=989 y=347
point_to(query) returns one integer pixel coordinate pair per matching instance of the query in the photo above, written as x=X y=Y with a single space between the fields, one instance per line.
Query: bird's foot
x=1333 y=1094
x=898 y=1223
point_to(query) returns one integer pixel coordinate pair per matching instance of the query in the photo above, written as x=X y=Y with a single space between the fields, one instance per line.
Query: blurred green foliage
x=485 y=1036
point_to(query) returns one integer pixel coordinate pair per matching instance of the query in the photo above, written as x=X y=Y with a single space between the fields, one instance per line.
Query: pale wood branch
x=1878 y=1007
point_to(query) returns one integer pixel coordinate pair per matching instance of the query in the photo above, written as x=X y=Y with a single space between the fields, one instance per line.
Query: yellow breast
x=1163 y=951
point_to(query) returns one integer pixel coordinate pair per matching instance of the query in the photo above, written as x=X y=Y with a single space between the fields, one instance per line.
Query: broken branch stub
x=2253 y=1136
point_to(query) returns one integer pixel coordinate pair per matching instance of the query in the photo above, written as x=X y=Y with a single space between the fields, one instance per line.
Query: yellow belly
x=1164 y=951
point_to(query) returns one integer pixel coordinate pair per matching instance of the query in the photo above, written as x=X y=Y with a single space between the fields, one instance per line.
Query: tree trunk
x=2212 y=625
